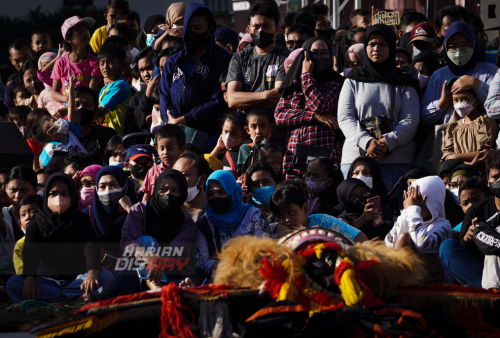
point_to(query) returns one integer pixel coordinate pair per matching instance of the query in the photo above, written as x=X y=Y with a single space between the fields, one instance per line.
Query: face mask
x=315 y=187
x=150 y=38
x=220 y=205
x=423 y=80
x=193 y=191
x=262 y=196
x=40 y=193
x=346 y=71
x=455 y=195
x=86 y=196
x=131 y=54
x=423 y=50
x=366 y=180
x=463 y=108
x=59 y=204
x=326 y=33
x=84 y=116
x=139 y=86
x=178 y=28
x=230 y=142
x=495 y=189
x=460 y=58
x=139 y=170
x=321 y=64
x=262 y=39
x=114 y=164
x=36 y=88
x=197 y=39
x=22 y=130
x=169 y=202
x=110 y=198
x=60 y=127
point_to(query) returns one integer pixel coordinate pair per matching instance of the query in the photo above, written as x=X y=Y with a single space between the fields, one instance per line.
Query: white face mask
x=40 y=193
x=423 y=80
x=193 y=191
x=60 y=127
x=366 y=180
x=179 y=28
x=463 y=108
x=455 y=195
x=460 y=58
x=131 y=54
x=139 y=86
x=113 y=163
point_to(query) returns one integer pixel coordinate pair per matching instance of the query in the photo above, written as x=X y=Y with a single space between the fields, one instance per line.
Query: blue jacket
x=198 y=97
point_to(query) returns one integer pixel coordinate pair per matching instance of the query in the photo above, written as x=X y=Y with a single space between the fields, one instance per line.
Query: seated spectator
x=19 y=116
x=492 y=103
x=21 y=95
x=403 y=60
x=138 y=161
x=19 y=52
x=460 y=174
x=31 y=82
x=413 y=175
x=322 y=178
x=75 y=163
x=446 y=16
x=471 y=191
x=87 y=185
x=114 y=154
x=60 y=228
x=407 y=22
x=486 y=237
x=259 y=187
x=271 y=154
x=173 y=27
x=227 y=38
x=426 y=64
x=133 y=20
x=164 y=55
x=446 y=168
x=353 y=36
x=56 y=163
x=112 y=9
x=45 y=65
x=296 y=36
x=41 y=177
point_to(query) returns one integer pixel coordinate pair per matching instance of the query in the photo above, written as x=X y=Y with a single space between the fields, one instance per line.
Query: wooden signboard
x=389 y=18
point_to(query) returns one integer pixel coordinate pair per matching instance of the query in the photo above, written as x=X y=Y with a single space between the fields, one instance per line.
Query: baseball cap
x=227 y=35
x=138 y=150
x=73 y=21
x=423 y=31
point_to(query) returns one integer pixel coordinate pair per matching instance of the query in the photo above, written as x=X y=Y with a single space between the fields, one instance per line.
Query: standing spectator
x=492 y=103
x=446 y=16
x=361 y=18
x=426 y=64
x=19 y=52
x=227 y=38
x=323 y=24
x=112 y=9
x=173 y=27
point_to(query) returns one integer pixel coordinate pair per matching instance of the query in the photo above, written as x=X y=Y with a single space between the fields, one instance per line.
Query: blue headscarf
x=108 y=222
x=478 y=55
x=230 y=220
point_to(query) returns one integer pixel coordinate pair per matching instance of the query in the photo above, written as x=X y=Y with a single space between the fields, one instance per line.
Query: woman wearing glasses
x=466 y=63
x=307 y=107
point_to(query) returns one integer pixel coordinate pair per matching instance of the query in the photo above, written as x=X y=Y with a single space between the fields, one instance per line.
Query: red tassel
x=275 y=276
x=172 y=321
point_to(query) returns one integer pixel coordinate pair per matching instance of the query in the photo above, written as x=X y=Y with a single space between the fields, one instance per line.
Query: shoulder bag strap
x=393 y=102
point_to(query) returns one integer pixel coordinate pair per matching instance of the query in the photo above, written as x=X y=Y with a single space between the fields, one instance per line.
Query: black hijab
x=430 y=59
x=387 y=70
x=161 y=224
x=343 y=192
x=379 y=188
x=288 y=87
x=151 y=23
x=449 y=165
x=64 y=225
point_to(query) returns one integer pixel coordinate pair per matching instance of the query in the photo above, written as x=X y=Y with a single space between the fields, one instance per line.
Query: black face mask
x=169 y=202
x=326 y=33
x=84 y=116
x=136 y=32
x=495 y=189
x=262 y=39
x=321 y=64
x=197 y=39
x=139 y=170
x=220 y=205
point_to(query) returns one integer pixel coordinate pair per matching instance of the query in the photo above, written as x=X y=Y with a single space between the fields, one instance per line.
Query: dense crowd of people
x=181 y=135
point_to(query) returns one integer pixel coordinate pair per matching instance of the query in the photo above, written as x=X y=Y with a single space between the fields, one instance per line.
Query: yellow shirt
x=98 y=38
x=18 y=256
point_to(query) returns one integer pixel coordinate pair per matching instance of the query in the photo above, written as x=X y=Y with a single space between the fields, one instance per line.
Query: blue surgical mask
x=113 y=163
x=150 y=39
x=262 y=196
x=423 y=50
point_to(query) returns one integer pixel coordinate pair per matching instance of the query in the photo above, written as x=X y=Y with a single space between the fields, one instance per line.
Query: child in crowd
x=4 y=199
x=60 y=135
x=133 y=20
x=20 y=94
x=19 y=115
x=156 y=118
x=27 y=208
x=289 y=205
x=114 y=154
x=46 y=63
x=41 y=177
x=229 y=143
x=473 y=133
x=138 y=162
x=112 y=9
x=471 y=191
x=361 y=18
x=115 y=95
x=35 y=147
x=41 y=42
x=272 y=154
x=261 y=182
x=170 y=144
x=79 y=62
x=75 y=163
x=422 y=225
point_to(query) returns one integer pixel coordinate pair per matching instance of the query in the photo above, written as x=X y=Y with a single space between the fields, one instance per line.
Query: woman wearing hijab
x=291 y=57
x=61 y=255
x=426 y=63
x=174 y=25
x=465 y=59
x=160 y=222
x=114 y=196
x=354 y=57
x=226 y=217
x=309 y=95
x=446 y=168
x=353 y=194
x=152 y=27
x=367 y=95
x=88 y=179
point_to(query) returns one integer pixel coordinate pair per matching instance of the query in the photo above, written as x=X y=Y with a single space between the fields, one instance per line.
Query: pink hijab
x=359 y=50
x=291 y=57
x=245 y=38
x=46 y=57
x=92 y=170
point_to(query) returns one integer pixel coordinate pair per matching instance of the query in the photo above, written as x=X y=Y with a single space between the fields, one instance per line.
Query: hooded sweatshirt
x=197 y=97
x=427 y=236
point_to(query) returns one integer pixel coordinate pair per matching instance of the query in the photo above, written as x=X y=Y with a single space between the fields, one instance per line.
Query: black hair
x=288 y=19
x=173 y=40
x=79 y=161
x=191 y=148
x=328 y=198
x=6 y=71
x=288 y=192
x=4 y=111
x=31 y=63
x=135 y=74
x=113 y=142
x=18 y=44
x=347 y=41
x=171 y=131
x=5 y=171
x=493 y=161
x=144 y=53
x=42 y=171
x=360 y=12
x=117 y=40
x=32 y=117
x=37 y=199
x=317 y=8
x=259 y=166
x=124 y=30
x=156 y=95
x=454 y=11
x=87 y=90
x=261 y=154
x=201 y=164
x=474 y=182
x=116 y=4
x=237 y=117
x=305 y=18
x=169 y=51
x=204 y=13
x=38 y=131
x=40 y=31
x=223 y=75
x=21 y=88
x=23 y=172
x=130 y=15
x=112 y=51
x=476 y=21
x=267 y=8
x=12 y=77
x=261 y=111
x=19 y=113
x=409 y=17
x=301 y=29
x=51 y=166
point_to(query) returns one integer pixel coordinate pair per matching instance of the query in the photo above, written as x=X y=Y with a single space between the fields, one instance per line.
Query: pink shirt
x=46 y=101
x=83 y=71
x=150 y=179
